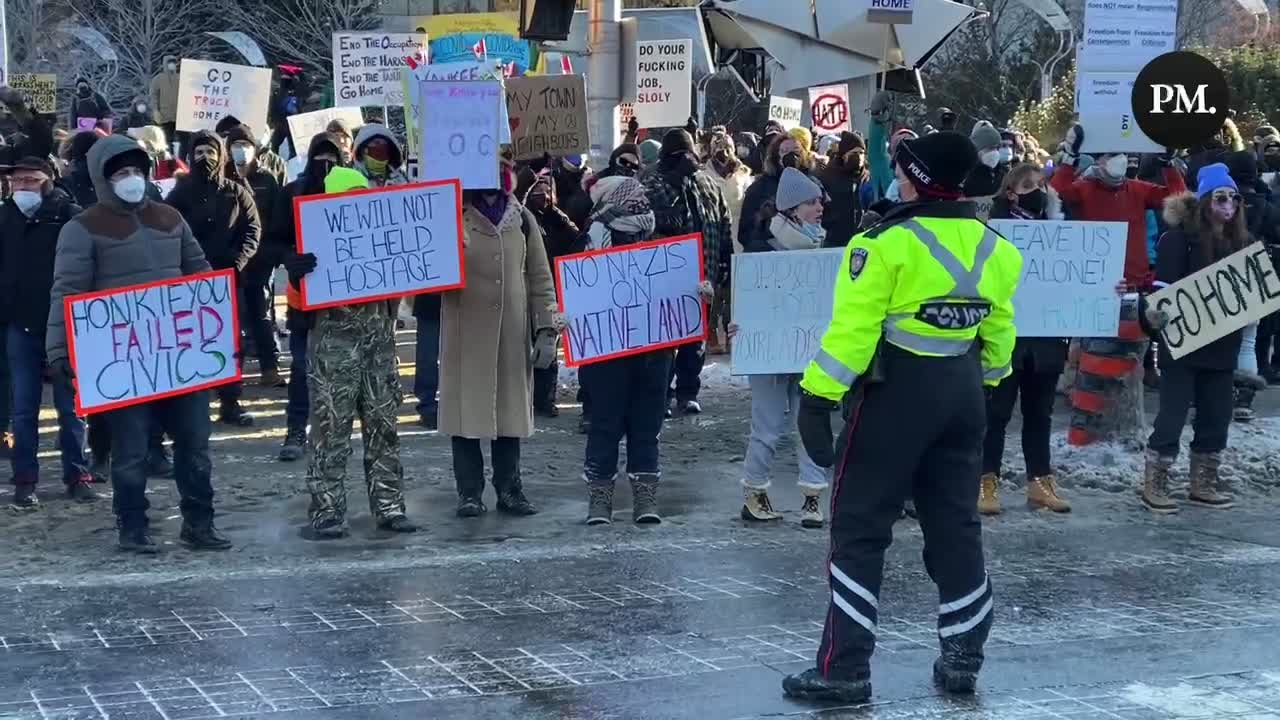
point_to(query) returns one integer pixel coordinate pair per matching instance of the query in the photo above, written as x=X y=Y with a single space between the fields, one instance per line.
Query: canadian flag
x=480 y=49
x=509 y=70
x=566 y=66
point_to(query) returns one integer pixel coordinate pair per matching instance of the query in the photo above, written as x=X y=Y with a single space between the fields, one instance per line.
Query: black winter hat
x=31 y=162
x=240 y=133
x=937 y=164
x=624 y=149
x=677 y=141
x=204 y=137
x=82 y=143
x=133 y=158
x=850 y=141
x=225 y=124
x=1243 y=166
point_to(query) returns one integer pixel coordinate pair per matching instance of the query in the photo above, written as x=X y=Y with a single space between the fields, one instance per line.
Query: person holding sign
x=922 y=321
x=127 y=239
x=1203 y=229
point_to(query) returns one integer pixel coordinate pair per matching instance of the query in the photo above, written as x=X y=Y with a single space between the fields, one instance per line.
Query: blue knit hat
x=1212 y=177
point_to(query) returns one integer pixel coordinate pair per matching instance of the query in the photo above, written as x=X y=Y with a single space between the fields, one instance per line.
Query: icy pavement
x=1106 y=613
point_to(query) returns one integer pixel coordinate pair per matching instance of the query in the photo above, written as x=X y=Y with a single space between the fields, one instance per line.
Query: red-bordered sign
x=830 y=112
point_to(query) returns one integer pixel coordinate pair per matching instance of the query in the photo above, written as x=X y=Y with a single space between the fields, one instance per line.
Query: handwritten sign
x=664 y=83
x=155 y=340
x=786 y=111
x=210 y=91
x=40 y=90
x=1069 y=276
x=548 y=114
x=367 y=66
x=411 y=81
x=829 y=107
x=304 y=126
x=381 y=244
x=460 y=132
x=1219 y=300
x=630 y=300
x=983 y=206
x=782 y=305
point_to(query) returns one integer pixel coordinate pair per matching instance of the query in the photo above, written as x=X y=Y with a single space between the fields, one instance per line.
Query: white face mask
x=990 y=158
x=1116 y=165
x=131 y=189
x=891 y=194
x=140 y=107
x=1006 y=154
x=27 y=201
x=242 y=154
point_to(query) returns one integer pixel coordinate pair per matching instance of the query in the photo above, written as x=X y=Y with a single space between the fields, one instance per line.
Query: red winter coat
x=1091 y=199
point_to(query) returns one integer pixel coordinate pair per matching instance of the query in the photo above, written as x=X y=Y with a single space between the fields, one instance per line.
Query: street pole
x=604 y=78
x=4 y=46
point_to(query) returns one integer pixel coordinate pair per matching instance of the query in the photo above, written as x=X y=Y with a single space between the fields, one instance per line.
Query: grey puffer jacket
x=115 y=244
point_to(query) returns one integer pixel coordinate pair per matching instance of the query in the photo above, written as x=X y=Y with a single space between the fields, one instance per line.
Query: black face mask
x=317 y=171
x=1131 y=172
x=681 y=165
x=1032 y=202
x=83 y=91
x=1272 y=161
x=853 y=164
x=207 y=166
x=791 y=160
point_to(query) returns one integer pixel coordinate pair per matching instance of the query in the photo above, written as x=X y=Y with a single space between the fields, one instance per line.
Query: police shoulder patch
x=857 y=261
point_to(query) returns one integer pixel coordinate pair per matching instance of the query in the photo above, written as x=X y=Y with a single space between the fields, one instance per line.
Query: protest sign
x=367 y=66
x=829 y=106
x=1069 y=275
x=786 y=111
x=1218 y=300
x=381 y=243
x=782 y=305
x=155 y=340
x=210 y=91
x=304 y=126
x=477 y=70
x=547 y=114
x=633 y=299
x=40 y=90
x=664 y=83
x=982 y=206
x=889 y=12
x=460 y=132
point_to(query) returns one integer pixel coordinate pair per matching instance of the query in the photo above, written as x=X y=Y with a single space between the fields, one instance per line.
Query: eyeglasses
x=1225 y=198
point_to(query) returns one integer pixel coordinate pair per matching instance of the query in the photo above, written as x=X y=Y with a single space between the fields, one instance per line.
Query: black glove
x=814 y=421
x=633 y=126
x=298 y=267
x=60 y=371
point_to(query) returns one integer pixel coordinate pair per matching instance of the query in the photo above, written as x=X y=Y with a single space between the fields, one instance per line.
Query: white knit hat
x=795 y=188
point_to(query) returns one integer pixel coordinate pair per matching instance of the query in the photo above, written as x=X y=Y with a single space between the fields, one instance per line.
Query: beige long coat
x=486 y=328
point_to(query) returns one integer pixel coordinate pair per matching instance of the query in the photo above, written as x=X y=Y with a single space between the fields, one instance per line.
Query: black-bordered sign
x=1180 y=99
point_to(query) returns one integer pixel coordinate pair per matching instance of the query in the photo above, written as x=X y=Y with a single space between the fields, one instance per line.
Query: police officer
x=923 y=320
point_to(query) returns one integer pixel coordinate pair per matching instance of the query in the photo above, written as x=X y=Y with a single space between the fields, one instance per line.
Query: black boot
x=24 y=496
x=137 y=540
x=956 y=671
x=511 y=501
x=202 y=535
x=506 y=478
x=295 y=445
x=468 y=477
x=810 y=685
x=233 y=413
x=397 y=524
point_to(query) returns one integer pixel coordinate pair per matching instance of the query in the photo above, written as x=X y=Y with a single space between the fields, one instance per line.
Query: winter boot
x=470 y=506
x=1155 y=484
x=989 y=494
x=1204 y=482
x=329 y=528
x=511 y=501
x=233 y=413
x=100 y=469
x=397 y=524
x=81 y=489
x=137 y=540
x=24 y=496
x=202 y=535
x=1243 y=410
x=811 y=511
x=956 y=669
x=810 y=685
x=1042 y=493
x=272 y=379
x=644 y=499
x=295 y=445
x=756 y=506
x=600 y=502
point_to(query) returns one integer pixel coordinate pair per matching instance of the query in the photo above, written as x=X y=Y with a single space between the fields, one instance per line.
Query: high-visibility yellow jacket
x=931 y=285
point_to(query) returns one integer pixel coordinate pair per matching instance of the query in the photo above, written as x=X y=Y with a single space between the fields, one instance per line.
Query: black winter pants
x=468 y=465
x=1038 y=391
x=1182 y=386
x=916 y=435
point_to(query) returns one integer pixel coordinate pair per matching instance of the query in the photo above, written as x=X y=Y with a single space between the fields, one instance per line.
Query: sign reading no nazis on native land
x=380 y=244
x=630 y=300
x=145 y=342
x=210 y=91
x=547 y=115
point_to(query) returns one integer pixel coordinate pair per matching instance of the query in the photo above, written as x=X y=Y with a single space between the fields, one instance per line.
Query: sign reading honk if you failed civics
x=381 y=244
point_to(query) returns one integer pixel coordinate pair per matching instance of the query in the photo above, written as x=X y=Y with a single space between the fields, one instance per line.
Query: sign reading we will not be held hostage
x=631 y=300
x=381 y=244
x=1224 y=297
x=141 y=343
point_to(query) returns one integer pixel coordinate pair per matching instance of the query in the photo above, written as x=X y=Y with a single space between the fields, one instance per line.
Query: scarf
x=789 y=236
x=622 y=210
x=492 y=212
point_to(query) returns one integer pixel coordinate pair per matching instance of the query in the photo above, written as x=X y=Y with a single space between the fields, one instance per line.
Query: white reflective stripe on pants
x=853 y=586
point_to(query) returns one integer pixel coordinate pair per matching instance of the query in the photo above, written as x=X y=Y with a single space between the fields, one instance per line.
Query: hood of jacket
x=373 y=130
x=1180 y=211
x=103 y=151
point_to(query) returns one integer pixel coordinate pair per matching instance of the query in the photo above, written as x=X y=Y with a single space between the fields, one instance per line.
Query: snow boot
x=137 y=540
x=1155 y=484
x=81 y=489
x=397 y=524
x=1042 y=493
x=1204 y=482
x=295 y=445
x=100 y=469
x=644 y=499
x=989 y=494
x=202 y=535
x=600 y=502
x=233 y=413
x=756 y=506
x=272 y=379
x=810 y=685
x=24 y=496
x=1243 y=410
x=811 y=511
x=961 y=657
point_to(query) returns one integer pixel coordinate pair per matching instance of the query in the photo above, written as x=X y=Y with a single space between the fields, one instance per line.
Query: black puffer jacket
x=221 y=212
x=26 y=259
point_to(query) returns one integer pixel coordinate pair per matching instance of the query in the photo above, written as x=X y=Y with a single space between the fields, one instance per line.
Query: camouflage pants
x=353 y=370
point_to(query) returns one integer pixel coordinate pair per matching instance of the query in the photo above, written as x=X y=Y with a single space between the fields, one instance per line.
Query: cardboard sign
x=367 y=66
x=381 y=243
x=1069 y=275
x=491 y=70
x=460 y=132
x=630 y=300
x=1219 y=300
x=150 y=341
x=547 y=114
x=664 y=83
x=305 y=126
x=829 y=107
x=782 y=304
x=210 y=91
x=786 y=111
x=890 y=12
x=982 y=206
x=40 y=90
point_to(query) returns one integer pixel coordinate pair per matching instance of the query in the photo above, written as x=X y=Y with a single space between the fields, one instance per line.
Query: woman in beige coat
x=487 y=332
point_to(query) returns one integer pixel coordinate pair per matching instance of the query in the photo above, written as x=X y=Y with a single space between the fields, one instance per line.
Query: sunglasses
x=628 y=164
x=1225 y=198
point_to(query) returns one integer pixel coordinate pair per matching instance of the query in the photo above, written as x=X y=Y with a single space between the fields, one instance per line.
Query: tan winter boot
x=811 y=512
x=756 y=506
x=1204 y=482
x=1155 y=484
x=989 y=494
x=1042 y=493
